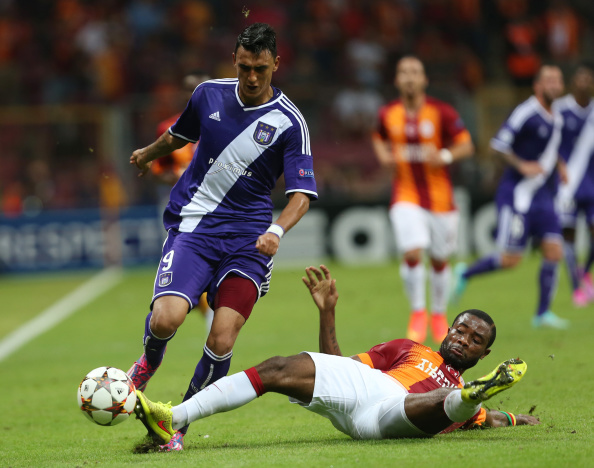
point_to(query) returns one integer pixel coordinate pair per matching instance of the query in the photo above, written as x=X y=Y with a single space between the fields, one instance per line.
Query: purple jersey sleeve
x=298 y=167
x=504 y=139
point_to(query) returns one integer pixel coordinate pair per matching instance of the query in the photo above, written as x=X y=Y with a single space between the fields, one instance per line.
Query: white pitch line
x=50 y=317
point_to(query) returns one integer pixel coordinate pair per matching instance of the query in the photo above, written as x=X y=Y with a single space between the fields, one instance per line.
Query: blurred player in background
x=221 y=238
x=528 y=142
x=396 y=389
x=577 y=195
x=418 y=138
x=168 y=169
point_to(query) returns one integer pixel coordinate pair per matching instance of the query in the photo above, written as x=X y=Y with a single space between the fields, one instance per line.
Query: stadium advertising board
x=359 y=234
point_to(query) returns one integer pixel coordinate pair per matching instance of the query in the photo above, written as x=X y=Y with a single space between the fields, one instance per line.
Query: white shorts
x=418 y=228
x=361 y=402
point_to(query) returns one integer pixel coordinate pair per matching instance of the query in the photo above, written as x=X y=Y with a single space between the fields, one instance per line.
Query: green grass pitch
x=42 y=426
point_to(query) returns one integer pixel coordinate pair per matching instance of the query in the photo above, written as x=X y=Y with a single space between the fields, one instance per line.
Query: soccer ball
x=106 y=396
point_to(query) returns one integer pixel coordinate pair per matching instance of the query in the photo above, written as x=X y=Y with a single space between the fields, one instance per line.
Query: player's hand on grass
x=322 y=288
x=267 y=244
x=137 y=159
x=526 y=420
x=498 y=419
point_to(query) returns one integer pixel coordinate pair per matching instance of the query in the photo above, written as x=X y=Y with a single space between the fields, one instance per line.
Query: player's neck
x=262 y=100
x=583 y=100
x=545 y=103
x=413 y=103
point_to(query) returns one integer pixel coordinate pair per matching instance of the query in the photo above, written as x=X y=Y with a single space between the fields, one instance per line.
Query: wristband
x=277 y=230
x=446 y=156
x=510 y=417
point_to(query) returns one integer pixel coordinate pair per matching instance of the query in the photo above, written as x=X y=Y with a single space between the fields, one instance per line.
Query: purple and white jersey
x=576 y=148
x=532 y=134
x=242 y=153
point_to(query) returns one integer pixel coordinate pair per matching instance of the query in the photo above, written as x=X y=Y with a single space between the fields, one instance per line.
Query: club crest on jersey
x=264 y=133
x=165 y=279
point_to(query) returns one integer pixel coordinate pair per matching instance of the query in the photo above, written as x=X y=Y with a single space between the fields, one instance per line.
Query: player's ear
x=276 y=63
x=486 y=353
x=233 y=56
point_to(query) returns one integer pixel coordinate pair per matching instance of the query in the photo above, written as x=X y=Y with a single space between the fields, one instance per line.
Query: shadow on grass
x=148 y=445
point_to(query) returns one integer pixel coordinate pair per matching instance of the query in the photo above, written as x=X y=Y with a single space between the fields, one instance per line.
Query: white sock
x=457 y=409
x=440 y=289
x=414 y=284
x=225 y=394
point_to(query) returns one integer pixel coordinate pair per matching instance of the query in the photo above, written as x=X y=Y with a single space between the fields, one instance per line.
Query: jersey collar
x=277 y=95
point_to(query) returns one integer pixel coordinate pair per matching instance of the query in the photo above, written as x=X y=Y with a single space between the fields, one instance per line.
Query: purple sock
x=210 y=368
x=571 y=263
x=483 y=265
x=548 y=284
x=154 y=348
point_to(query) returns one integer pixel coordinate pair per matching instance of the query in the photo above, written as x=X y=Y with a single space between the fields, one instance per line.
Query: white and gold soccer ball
x=106 y=396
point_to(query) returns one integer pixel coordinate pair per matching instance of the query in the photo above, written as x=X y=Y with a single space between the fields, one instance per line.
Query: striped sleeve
x=506 y=136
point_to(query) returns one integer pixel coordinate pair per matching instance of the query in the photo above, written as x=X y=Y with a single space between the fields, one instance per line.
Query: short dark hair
x=485 y=317
x=257 y=38
x=538 y=74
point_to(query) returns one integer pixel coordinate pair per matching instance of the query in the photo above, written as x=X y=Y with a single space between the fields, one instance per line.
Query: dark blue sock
x=571 y=263
x=154 y=348
x=590 y=259
x=483 y=265
x=548 y=283
x=210 y=368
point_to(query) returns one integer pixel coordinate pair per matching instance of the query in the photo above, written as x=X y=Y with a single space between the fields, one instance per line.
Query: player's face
x=583 y=81
x=254 y=72
x=550 y=84
x=466 y=342
x=410 y=77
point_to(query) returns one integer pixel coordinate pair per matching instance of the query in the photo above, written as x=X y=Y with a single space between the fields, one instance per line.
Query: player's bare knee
x=412 y=257
x=510 y=261
x=220 y=343
x=163 y=325
x=552 y=251
x=438 y=265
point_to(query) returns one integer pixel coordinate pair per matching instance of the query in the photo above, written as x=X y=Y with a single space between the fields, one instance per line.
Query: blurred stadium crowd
x=83 y=83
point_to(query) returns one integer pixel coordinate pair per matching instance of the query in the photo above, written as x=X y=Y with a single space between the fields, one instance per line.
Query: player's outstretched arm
x=526 y=168
x=325 y=296
x=164 y=145
x=503 y=419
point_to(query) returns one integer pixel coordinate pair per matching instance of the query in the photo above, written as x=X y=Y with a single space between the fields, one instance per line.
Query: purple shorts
x=194 y=263
x=514 y=229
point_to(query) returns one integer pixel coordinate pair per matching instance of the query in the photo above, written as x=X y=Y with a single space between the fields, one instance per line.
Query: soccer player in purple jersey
x=221 y=238
x=528 y=142
x=577 y=195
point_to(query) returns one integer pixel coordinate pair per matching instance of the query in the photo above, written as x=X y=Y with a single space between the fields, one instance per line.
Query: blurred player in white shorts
x=418 y=138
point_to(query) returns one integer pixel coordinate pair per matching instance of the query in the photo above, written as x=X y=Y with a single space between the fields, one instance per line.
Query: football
x=106 y=396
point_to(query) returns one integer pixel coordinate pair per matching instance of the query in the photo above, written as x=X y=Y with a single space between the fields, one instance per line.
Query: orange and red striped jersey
x=417 y=368
x=177 y=161
x=413 y=137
